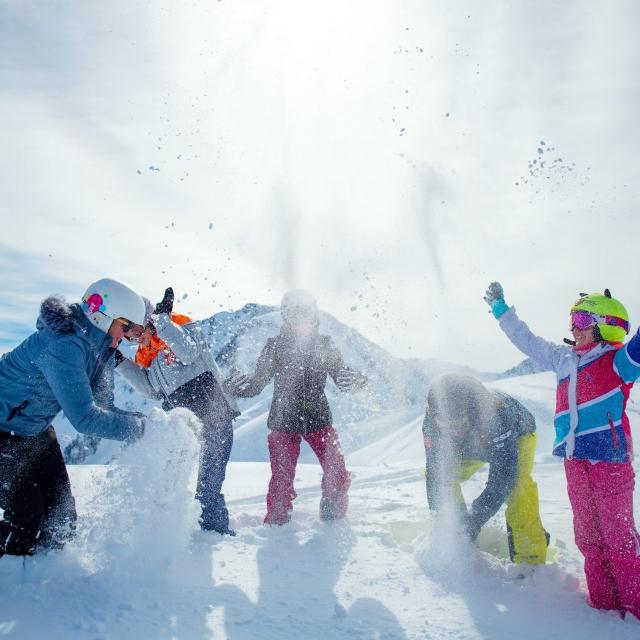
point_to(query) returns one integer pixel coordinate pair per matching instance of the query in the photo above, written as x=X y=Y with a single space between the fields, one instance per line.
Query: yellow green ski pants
x=527 y=537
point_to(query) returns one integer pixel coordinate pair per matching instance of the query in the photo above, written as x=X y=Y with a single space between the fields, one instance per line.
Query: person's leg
x=60 y=515
x=336 y=479
x=466 y=469
x=603 y=592
x=217 y=440
x=22 y=499
x=613 y=485
x=284 y=449
x=203 y=396
x=527 y=537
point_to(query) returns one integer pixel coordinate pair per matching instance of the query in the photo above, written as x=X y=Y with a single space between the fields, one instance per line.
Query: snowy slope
x=139 y=569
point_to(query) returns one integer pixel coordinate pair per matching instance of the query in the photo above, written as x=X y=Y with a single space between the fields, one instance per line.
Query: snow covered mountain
x=394 y=396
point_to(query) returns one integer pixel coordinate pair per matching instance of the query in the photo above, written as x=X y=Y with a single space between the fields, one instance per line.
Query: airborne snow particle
x=446 y=115
x=353 y=308
x=210 y=226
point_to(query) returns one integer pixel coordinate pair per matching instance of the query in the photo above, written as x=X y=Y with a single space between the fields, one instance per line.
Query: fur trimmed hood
x=57 y=315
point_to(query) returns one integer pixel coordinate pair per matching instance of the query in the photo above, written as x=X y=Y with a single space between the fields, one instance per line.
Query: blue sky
x=386 y=154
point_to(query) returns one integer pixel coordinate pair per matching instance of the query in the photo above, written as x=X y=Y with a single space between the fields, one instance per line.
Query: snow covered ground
x=139 y=567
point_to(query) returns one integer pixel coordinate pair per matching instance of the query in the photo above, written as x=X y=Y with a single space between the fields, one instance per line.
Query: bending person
x=299 y=360
x=174 y=363
x=466 y=426
x=67 y=364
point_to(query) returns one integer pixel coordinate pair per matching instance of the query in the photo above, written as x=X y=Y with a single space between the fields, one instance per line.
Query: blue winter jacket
x=67 y=364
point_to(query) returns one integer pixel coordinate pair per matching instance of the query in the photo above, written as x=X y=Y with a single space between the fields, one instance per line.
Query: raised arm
x=186 y=341
x=627 y=360
x=546 y=354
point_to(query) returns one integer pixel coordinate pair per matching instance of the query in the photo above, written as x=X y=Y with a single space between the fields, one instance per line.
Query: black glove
x=166 y=304
x=349 y=380
x=119 y=358
x=235 y=383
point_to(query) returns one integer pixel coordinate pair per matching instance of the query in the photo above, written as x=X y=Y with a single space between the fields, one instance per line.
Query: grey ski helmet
x=298 y=305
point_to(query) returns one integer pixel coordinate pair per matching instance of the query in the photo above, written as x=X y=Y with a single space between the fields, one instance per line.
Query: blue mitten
x=494 y=297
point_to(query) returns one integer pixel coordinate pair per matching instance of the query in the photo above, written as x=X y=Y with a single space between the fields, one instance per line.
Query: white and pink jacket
x=590 y=421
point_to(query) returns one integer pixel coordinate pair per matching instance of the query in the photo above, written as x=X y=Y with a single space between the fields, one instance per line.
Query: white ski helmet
x=107 y=299
x=297 y=305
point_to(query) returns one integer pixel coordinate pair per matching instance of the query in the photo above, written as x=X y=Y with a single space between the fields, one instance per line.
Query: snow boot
x=16 y=541
x=222 y=529
x=329 y=510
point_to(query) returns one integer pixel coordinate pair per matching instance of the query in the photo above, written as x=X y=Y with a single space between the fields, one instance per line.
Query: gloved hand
x=235 y=383
x=118 y=357
x=470 y=527
x=166 y=304
x=349 y=380
x=138 y=433
x=494 y=297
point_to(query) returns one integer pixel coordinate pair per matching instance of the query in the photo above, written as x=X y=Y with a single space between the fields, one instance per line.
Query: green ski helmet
x=607 y=314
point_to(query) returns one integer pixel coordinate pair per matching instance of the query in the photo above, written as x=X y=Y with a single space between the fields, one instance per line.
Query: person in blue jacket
x=67 y=364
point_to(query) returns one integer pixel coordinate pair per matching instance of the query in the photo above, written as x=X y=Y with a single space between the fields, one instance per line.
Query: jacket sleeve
x=335 y=362
x=186 y=341
x=63 y=366
x=627 y=360
x=546 y=354
x=500 y=484
x=433 y=473
x=138 y=378
x=263 y=374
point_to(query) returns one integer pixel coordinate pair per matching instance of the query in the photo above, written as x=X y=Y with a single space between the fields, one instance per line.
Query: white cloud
x=367 y=150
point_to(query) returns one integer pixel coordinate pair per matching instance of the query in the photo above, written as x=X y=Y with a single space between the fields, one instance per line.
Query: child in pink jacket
x=595 y=374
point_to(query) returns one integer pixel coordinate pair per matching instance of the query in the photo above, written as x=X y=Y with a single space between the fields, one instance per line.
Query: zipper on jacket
x=614 y=433
x=17 y=411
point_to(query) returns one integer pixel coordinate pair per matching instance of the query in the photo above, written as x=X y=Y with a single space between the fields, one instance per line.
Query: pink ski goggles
x=586 y=319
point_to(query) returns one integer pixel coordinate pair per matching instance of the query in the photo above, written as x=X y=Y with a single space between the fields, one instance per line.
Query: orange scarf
x=146 y=354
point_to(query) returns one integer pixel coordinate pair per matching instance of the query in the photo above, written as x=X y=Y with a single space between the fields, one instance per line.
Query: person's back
x=63 y=365
x=467 y=425
x=66 y=364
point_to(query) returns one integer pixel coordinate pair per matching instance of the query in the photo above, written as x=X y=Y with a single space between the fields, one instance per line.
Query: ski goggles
x=130 y=327
x=585 y=319
x=297 y=314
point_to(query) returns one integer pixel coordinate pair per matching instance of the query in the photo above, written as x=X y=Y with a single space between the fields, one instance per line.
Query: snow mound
x=146 y=501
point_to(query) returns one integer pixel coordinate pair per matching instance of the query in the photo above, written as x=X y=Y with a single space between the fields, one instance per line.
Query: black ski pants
x=35 y=493
x=203 y=396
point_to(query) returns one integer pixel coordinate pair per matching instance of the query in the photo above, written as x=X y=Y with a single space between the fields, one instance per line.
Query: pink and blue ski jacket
x=591 y=422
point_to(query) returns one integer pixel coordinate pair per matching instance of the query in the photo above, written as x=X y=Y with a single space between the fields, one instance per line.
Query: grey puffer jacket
x=191 y=357
x=66 y=364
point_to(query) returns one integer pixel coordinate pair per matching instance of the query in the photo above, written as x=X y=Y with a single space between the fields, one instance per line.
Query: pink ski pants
x=284 y=449
x=601 y=495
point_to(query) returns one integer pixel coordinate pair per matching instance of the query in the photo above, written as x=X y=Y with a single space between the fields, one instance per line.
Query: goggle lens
x=582 y=320
x=298 y=314
x=586 y=319
x=129 y=327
